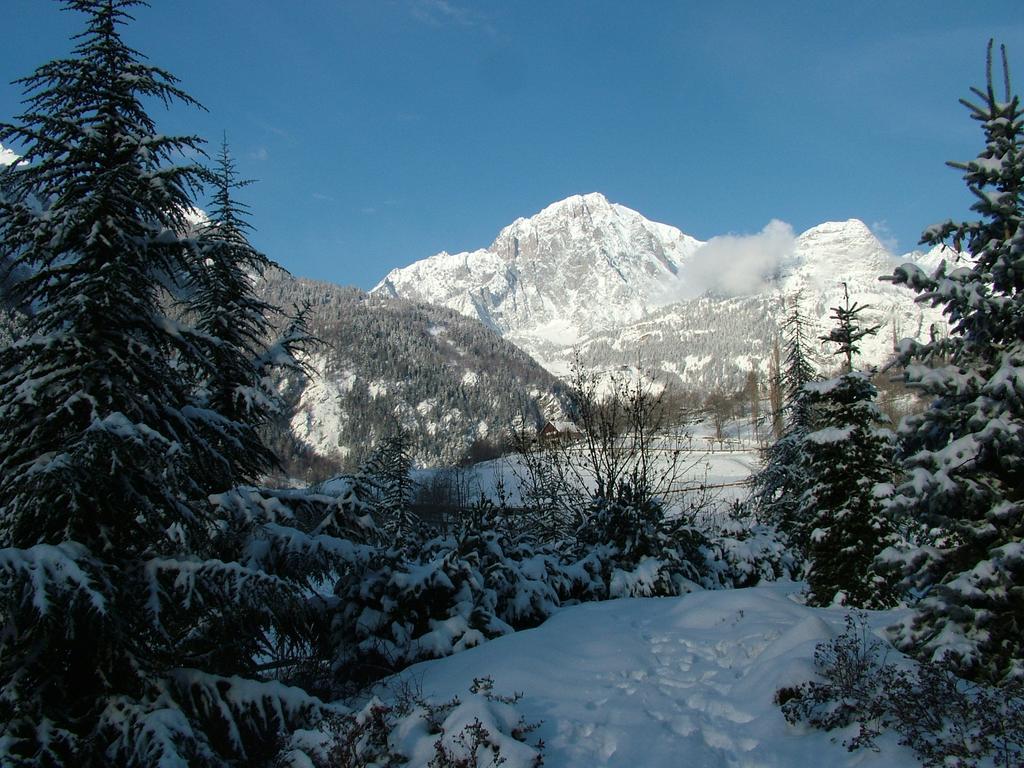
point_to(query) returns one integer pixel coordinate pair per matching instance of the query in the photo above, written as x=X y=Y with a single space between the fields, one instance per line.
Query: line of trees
x=144 y=589
x=935 y=511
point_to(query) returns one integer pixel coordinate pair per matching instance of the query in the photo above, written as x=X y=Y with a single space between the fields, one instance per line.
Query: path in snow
x=666 y=682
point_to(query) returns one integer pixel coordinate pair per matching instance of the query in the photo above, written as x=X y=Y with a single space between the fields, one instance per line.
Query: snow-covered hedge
x=405 y=604
x=482 y=729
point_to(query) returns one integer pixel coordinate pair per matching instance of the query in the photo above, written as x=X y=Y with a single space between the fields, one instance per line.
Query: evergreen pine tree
x=848 y=456
x=964 y=457
x=798 y=368
x=847 y=332
x=234 y=322
x=778 y=487
x=116 y=598
x=390 y=468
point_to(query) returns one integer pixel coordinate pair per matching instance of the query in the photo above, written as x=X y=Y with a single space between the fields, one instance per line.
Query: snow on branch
x=205 y=584
x=48 y=574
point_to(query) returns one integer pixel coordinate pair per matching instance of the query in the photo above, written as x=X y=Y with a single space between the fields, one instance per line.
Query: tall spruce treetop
x=847 y=332
x=965 y=455
x=783 y=479
x=118 y=587
x=234 y=322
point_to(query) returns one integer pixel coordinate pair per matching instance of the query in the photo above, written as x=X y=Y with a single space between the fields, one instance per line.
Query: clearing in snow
x=667 y=682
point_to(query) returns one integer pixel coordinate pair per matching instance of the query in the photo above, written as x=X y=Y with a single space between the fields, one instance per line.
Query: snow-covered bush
x=406 y=604
x=523 y=576
x=481 y=731
x=626 y=541
x=744 y=554
x=393 y=611
x=948 y=721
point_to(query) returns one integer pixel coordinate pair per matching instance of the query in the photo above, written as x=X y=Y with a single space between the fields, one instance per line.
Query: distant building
x=559 y=431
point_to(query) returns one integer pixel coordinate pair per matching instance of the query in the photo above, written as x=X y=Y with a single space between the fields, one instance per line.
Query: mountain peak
x=850 y=228
x=576 y=203
x=843 y=239
x=581 y=262
x=585 y=211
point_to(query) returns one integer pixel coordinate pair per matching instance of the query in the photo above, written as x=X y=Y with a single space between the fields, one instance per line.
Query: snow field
x=724 y=471
x=660 y=682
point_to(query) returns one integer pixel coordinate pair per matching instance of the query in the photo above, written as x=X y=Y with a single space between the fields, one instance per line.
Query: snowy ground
x=667 y=682
x=725 y=470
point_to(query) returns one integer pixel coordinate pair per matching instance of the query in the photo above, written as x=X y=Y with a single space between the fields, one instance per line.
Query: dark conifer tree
x=798 y=368
x=848 y=331
x=964 y=457
x=390 y=467
x=115 y=596
x=778 y=487
x=236 y=380
x=235 y=321
x=849 y=458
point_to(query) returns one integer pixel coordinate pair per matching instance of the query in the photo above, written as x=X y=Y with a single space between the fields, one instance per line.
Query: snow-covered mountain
x=579 y=265
x=7 y=157
x=589 y=274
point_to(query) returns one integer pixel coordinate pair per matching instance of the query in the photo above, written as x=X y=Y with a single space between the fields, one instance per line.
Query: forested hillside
x=453 y=385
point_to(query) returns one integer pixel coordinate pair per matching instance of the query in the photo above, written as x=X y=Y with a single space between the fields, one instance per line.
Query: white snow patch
x=663 y=682
x=318 y=417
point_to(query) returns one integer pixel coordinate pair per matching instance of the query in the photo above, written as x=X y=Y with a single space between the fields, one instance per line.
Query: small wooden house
x=558 y=432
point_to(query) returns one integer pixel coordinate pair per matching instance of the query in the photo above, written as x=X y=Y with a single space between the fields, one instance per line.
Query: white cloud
x=734 y=265
x=7 y=157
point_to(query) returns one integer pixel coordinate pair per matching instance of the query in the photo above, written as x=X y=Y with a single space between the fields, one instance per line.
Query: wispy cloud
x=270 y=128
x=734 y=265
x=260 y=154
x=323 y=197
x=441 y=13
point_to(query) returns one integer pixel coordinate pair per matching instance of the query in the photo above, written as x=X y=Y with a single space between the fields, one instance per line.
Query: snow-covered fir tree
x=389 y=469
x=142 y=602
x=849 y=458
x=235 y=323
x=779 y=485
x=964 y=457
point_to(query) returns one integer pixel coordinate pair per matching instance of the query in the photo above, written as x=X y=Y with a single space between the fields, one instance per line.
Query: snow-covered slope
x=665 y=682
x=832 y=254
x=578 y=265
x=627 y=291
x=7 y=157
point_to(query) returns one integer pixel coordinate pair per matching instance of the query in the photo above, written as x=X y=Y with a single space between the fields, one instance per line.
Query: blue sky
x=383 y=131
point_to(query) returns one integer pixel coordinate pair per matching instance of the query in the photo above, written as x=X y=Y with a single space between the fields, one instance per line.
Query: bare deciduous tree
x=627 y=440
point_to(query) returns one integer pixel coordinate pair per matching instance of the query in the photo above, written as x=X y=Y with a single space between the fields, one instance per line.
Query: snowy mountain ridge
x=518 y=284
x=588 y=273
